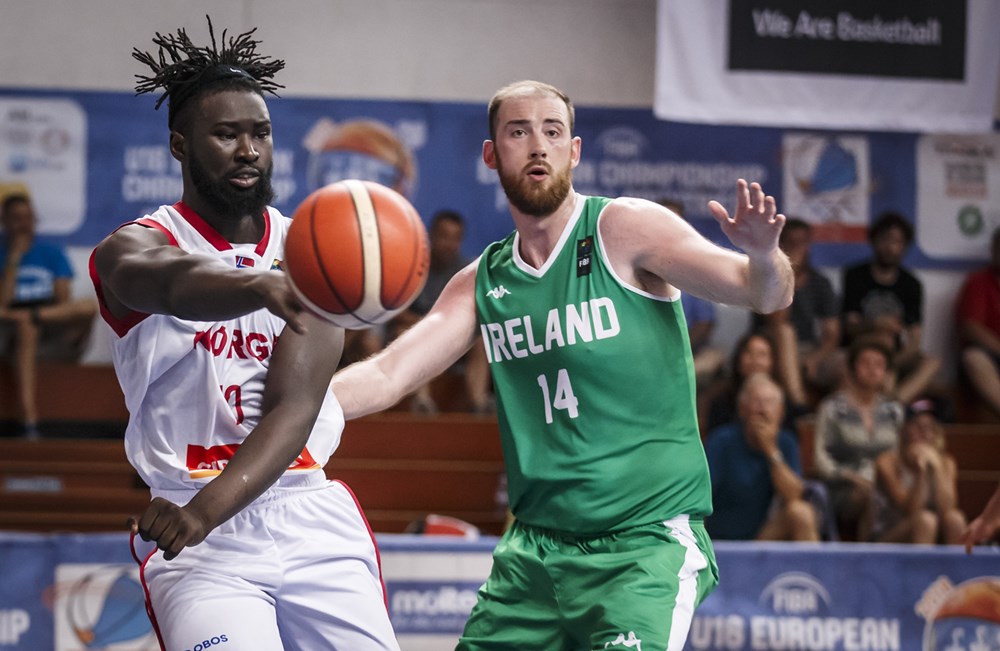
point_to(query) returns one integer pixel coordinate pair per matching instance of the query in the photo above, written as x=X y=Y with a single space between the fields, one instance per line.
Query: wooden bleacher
x=400 y=466
x=403 y=466
x=74 y=400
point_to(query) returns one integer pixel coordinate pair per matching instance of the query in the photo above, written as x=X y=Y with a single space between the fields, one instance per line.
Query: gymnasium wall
x=600 y=51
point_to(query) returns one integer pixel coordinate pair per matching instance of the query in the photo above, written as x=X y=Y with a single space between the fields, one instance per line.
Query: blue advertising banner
x=82 y=592
x=93 y=160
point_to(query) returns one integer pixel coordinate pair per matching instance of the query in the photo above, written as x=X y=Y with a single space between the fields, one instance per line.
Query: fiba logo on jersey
x=101 y=608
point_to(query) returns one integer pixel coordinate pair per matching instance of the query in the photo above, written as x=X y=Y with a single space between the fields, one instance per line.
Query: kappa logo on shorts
x=498 y=292
x=630 y=642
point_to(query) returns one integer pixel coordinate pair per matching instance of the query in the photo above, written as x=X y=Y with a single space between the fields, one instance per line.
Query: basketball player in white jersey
x=230 y=422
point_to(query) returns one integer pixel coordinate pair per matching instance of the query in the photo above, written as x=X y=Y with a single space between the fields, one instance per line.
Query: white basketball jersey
x=194 y=388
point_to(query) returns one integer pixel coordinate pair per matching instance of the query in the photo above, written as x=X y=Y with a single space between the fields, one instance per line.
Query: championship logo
x=963 y=617
x=101 y=607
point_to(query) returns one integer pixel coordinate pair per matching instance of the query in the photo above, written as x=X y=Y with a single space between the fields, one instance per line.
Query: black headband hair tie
x=182 y=69
x=180 y=95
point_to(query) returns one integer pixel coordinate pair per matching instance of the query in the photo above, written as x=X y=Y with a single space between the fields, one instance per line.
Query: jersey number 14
x=562 y=398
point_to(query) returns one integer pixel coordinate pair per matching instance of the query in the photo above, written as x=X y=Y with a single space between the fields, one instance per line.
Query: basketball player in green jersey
x=578 y=311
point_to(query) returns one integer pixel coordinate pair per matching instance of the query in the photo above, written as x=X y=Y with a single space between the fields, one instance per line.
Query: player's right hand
x=171 y=527
x=275 y=289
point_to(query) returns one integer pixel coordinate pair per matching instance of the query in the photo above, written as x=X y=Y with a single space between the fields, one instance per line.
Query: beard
x=227 y=200
x=535 y=199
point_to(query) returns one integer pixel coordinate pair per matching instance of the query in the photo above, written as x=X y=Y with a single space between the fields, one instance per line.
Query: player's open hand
x=171 y=527
x=756 y=224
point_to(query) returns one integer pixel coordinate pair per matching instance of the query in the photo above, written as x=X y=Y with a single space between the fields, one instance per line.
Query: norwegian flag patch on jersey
x=243 y=262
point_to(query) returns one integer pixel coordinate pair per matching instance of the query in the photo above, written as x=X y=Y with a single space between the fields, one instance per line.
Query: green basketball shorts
x=632 y=589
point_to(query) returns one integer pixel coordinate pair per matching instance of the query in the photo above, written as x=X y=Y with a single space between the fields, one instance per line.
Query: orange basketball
x=357 y=253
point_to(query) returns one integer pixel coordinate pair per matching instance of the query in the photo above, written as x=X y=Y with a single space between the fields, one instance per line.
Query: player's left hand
x=756 y=225
x=171 y=527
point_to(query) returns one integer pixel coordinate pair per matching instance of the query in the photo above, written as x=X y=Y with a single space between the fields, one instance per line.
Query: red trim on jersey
x=122 y=325
x=378 y=557
x=145 y=589
x=212 y=236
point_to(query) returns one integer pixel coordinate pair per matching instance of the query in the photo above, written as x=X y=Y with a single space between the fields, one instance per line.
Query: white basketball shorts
x=296 y=570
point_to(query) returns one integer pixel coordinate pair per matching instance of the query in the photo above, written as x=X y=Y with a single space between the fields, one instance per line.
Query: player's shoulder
x=633 y=214
x=636 y=208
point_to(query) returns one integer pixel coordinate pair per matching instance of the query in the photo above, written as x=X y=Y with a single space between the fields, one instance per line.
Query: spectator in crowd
x=753 y=353
x=37 y=308
x=446 y=233
x=883 y=298
x=978 y=318
x=757 y=487
x=807 y=333
x=917 y=499
x=699 y=314
x=853 y=426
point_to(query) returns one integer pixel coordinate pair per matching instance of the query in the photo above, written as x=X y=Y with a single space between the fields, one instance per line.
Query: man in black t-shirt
x=880 y=297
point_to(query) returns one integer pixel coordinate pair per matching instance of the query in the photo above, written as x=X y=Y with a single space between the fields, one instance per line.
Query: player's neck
x=539 y=235
x=246 y=228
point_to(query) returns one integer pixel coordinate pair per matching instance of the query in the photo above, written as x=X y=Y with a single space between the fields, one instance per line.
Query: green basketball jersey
x=595 y=388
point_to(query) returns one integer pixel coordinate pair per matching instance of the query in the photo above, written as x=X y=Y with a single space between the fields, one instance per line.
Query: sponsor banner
x=81 y=593
x=890 y=38
x=113 y=165
x=958 y=194
x=850 y=597
x=854 y=64
x=827 y=182
x=44 y=145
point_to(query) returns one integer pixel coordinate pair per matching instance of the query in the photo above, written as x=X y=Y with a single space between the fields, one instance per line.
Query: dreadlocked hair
x=183 y=69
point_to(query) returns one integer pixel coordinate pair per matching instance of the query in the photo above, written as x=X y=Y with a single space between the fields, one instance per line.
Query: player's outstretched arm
x=140 y=270
x=985 y=526
x=298 y=376
x=644 y=240
x=420 y=354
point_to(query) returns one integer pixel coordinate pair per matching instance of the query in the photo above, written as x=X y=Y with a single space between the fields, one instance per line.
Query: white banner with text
x=879 y=65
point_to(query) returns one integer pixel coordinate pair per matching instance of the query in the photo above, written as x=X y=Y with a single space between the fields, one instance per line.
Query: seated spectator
x=807 y=333
x=853 y=426
x=447 y=230
x=37 y=309
x=918 y=484
x=754 y=353
x=757 y=488
x=700 y=316
x=883 y=297
x=978 y=320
